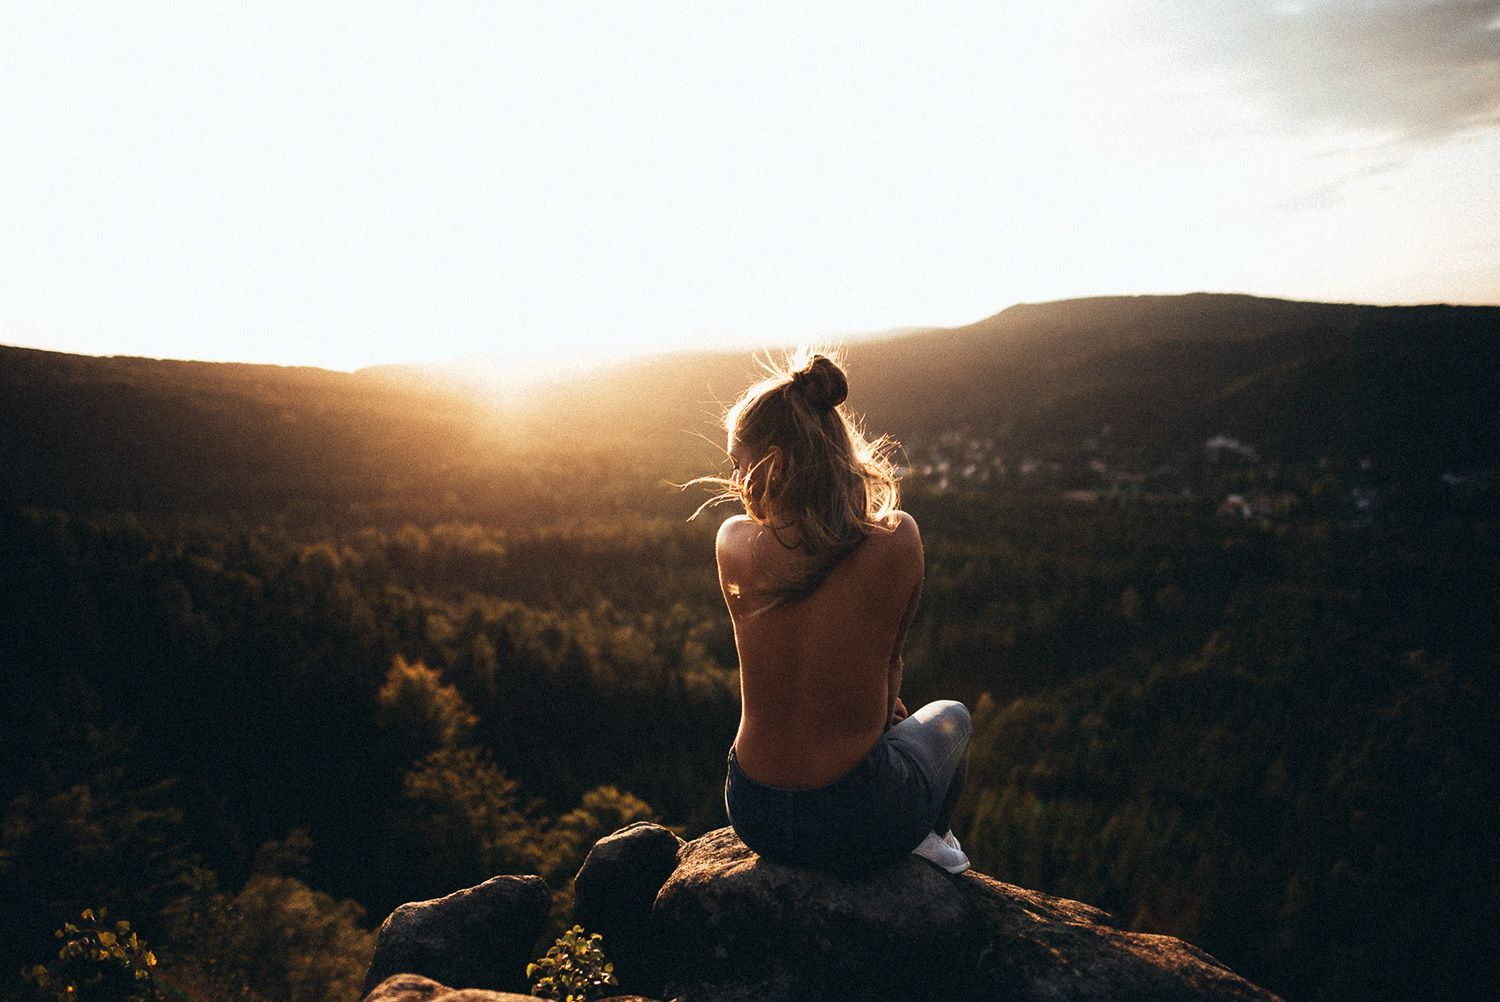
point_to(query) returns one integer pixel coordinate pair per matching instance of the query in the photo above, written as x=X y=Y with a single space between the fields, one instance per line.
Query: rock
x=709 y=921
x=415 y=988
x=729 y=926
x=615 y=889
x=479 y=937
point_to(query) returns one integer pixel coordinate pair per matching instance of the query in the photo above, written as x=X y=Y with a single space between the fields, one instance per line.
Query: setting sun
x=556 y=185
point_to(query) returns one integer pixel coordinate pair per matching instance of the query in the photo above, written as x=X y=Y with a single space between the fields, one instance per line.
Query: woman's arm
x=912 y=570
x=898 y=663
x=725 y=542
x=896 y=710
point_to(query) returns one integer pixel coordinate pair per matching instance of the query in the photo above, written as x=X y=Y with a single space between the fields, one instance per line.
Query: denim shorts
x=873 y=815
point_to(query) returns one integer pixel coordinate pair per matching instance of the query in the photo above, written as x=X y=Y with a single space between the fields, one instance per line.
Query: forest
x=284 y=649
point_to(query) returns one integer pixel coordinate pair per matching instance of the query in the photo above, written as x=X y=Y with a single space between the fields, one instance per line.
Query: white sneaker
x=939 y=850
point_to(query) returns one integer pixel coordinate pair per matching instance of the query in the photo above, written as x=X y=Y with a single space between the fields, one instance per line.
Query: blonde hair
x=831 y=486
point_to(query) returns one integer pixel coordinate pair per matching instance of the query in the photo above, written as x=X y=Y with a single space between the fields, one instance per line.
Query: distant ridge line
x=1015 y=310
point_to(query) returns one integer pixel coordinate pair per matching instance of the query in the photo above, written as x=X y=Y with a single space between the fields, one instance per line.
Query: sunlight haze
x=351 y=185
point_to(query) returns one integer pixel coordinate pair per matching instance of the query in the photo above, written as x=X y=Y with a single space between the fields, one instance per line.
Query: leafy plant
x=572 y=969
x=98 y=960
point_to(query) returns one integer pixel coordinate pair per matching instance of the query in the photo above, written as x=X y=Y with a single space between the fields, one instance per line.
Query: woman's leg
x=944 y=820
x=936 y=738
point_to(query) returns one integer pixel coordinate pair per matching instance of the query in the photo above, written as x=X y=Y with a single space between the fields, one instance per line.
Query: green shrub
x=572 y=969
x=98 y=960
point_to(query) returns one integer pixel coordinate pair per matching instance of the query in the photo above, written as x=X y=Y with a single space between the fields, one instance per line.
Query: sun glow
x=548 y=188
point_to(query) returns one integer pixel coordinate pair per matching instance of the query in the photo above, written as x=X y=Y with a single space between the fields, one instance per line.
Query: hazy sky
x=343 y=185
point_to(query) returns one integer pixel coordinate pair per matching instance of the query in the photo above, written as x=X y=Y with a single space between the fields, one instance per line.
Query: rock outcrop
x=736 y=927
x=614 y=892
x=415 y=988
x=479 y=937
x=709 y=921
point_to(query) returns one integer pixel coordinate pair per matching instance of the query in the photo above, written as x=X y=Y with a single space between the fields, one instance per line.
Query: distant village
x=1225 y=472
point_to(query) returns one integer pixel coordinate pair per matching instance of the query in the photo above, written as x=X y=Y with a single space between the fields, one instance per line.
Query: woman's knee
x=949 y=717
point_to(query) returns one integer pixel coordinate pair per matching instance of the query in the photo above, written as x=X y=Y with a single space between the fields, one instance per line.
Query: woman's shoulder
x=897 y=538
x=734 y=533
x=894 y=540
x=900 y=528
x=733 y=527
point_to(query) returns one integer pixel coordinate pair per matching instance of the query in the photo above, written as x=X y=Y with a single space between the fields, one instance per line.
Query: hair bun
x=822 y=382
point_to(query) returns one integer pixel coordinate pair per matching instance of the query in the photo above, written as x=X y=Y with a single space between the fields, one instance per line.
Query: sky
x=559 y=184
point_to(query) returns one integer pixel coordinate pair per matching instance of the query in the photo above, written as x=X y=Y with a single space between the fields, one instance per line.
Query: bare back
x=816 y=675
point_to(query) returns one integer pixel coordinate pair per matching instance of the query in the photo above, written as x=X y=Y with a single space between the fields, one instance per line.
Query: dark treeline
x=182 y=702
x=1266 y=739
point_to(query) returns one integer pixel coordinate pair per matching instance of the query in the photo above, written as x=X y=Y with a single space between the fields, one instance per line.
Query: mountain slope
x=1411 y=387
x=155 y=435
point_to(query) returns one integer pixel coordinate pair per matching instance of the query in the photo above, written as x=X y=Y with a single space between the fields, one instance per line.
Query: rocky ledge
x=709 y=921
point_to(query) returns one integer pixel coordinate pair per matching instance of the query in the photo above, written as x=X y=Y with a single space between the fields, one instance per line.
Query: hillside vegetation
x=284 y=648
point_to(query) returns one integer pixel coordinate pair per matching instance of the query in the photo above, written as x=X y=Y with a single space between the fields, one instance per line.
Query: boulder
x=479 y=937
x=415 y=988
x=737 y=927
x=614 y=892
x=730 y=926
x=709 y=921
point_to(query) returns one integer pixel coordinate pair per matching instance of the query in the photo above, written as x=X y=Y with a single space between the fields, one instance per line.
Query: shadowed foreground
x=709 y=921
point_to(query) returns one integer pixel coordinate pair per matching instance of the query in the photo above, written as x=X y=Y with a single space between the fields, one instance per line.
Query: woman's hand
x=898 y=712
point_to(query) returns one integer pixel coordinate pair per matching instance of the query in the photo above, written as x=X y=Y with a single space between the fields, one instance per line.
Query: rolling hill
x=1412 y=387
x=1409 y=385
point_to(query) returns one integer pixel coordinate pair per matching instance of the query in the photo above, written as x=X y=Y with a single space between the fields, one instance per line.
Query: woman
x=821 y=575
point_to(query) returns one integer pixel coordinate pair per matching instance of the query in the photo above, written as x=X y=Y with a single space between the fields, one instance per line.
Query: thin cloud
x=1411 y=72
x=1328 y=193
